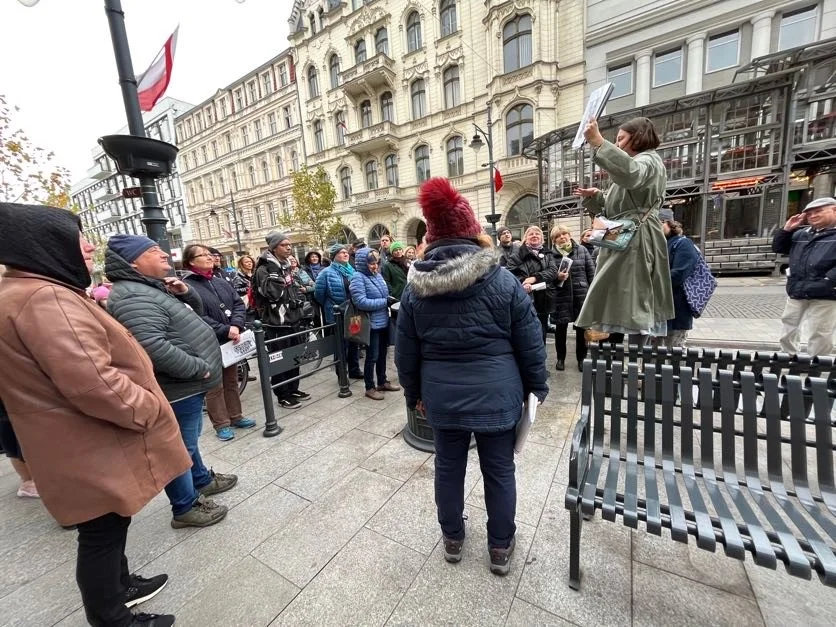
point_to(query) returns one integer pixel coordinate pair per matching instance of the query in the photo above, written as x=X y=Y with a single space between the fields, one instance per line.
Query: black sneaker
x=501 y=559
x=152 y=620
x=356 y=375
x=142 y=589
x=453 y=550
x=288 y=403
x=560 y=365
x=299 y=396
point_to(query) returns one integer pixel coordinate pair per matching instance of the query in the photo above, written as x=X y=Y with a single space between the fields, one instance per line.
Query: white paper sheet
x=594 y=108
x=536 y=287
x=233 y=353
x=529 y=414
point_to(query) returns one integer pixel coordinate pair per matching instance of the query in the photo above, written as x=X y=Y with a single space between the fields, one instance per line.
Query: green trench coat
x=631 y=292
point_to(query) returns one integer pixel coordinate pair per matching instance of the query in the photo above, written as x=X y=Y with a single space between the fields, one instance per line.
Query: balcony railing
x=371 y=74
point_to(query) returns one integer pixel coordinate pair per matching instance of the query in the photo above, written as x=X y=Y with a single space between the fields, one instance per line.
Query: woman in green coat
x=631 y=292
x=395 y=270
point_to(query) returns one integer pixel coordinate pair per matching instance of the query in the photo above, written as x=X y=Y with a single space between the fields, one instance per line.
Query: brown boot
x=388 y=387
x=375 y=395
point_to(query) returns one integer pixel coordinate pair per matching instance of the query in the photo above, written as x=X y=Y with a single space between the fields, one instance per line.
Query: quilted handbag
x=699 y=286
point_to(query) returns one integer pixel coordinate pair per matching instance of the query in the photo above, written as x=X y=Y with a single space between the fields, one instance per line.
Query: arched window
x=253 y=178
x=313 y=82
x=319 y=136
x=376 y=232
x=360 y=51
x=391 y=163
x=345 y=182
x=222 y=184
x=334 y=70
x=339 y=125
x=312 y=21
x=455 y=157
x=279 y=166
x=381 y=41
x=345 y=236
x=422 y=163
x=519 y=128
x=516 y=43
x=449 y=24
x=371 y=175
x=294 y=160
x=211 y=188
x=419 y=99
x=387 y=107
x=522 y=214
x=192 y=198
x=202 y=192
x=265 y=171
x=413 y=32
x=366 y=113
x=452 y=95
x=259 y=217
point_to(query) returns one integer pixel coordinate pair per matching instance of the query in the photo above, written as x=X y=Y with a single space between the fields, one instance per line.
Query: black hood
x=44 y=241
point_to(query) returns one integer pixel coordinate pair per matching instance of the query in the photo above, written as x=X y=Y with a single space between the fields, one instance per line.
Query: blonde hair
x=533 y=229
x=558 y=229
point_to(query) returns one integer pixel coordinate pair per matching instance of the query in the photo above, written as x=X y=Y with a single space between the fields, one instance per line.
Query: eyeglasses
x=203 y=255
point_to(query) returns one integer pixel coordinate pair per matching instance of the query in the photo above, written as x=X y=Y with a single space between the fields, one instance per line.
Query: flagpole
x=152 y=213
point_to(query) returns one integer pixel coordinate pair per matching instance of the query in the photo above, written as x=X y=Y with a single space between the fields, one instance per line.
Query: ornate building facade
x=391 y=90
x=237 y=151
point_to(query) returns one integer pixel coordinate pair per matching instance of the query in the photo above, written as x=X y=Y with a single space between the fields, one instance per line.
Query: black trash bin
x=418 y=433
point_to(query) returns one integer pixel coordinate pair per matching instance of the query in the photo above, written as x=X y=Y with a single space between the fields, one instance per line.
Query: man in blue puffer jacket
x=469 y=349
x=370 y=293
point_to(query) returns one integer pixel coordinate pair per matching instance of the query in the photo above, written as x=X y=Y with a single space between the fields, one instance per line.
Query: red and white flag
x=497 y=180
x=153 y=82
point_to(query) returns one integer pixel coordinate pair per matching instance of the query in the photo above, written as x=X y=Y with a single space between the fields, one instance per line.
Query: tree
x=313 y=206
x=27 y=172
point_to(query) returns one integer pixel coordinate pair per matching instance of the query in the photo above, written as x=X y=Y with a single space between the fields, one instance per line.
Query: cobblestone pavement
x=756 y=306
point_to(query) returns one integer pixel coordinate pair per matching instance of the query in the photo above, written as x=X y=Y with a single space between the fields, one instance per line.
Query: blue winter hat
x=130 y=247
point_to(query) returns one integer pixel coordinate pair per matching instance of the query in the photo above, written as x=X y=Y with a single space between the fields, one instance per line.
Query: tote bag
x=356 y=323
x=699 y=286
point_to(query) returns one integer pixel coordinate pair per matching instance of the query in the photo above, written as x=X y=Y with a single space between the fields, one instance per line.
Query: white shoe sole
x=148 y=597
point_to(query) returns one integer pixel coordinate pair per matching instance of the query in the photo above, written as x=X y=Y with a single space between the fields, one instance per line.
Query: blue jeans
x=182 y=491
x=376 y=357
x=496 y=458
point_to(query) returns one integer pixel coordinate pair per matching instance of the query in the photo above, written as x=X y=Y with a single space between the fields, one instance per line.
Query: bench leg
x=575 y=522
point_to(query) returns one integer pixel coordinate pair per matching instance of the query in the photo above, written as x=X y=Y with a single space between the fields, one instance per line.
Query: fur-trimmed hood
x=450 y=266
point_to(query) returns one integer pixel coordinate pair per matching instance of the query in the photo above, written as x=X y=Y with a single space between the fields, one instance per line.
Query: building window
x=391 y=163
x=223 y=107
x=452 y=97
x=422 y=163
x=266 y=84
x=413 y=32
x=288 y=118
x=519 y=128
x=387 y=107
x=312 y=22
x=345 y=183
x=334 y=70
x=257 y=129
x=449 y=24
x=233 y=177
x=319 y=136
x=516 y=43
x=381 y=41
x=455 y=157
x=360 y=51
x=621 y=78
x=189 y=128
x=294 y=160
x=279 y=166
x=204 y=152
x=214 y=149
x=245 y=136
x=797 y=28
x=252 y=90
x=259 y=218
x=419 y=99
x=228 y=137
x=253 y=177
x=239 y=99
x=265 y=171
x=371 y=175
x=271 y=121
x=222 y=184
x=723 y=51
x=667 y=67
x=366 y=113
x=313 y=82
x=283 y=74
x=339 y=123
x=211 y=188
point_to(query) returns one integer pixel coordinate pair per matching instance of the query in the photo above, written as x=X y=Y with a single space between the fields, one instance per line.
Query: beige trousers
x=819 y=316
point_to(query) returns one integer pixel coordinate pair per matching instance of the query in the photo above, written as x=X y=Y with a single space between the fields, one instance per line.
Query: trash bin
x=418 y=433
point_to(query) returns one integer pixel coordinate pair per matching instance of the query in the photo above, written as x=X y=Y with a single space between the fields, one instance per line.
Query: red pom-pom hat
x=446 y=211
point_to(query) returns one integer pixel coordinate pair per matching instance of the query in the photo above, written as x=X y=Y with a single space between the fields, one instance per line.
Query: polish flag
x=497 y=180
x=152 y=83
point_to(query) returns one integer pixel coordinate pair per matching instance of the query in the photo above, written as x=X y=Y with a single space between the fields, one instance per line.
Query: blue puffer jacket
x=683 y=257
x=812 y=262
x=330 y=290
x=369 y=292
x=469 y=344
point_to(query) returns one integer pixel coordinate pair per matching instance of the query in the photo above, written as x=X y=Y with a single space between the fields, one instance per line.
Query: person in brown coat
x=98 y=434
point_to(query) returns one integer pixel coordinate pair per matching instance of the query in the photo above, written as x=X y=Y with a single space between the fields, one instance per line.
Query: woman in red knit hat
x=469 y=351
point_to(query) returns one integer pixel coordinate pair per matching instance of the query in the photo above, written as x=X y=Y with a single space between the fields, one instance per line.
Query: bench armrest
x=578 y=459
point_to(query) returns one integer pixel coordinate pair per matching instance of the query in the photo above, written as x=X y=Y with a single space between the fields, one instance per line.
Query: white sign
x=233 y=353
x=274 y=357
x=594 y=107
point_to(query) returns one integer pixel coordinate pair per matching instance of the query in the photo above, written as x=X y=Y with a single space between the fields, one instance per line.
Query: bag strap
x=660 y=201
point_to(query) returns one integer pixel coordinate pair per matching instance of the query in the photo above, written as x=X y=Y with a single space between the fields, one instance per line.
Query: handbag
x=699 y=286
x=357 y=325
x=618 y=237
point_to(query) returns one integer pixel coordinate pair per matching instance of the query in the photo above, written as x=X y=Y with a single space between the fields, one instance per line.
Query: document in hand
x=594 y=108
x=233 y=353
x=529 y=413
x=536 y=287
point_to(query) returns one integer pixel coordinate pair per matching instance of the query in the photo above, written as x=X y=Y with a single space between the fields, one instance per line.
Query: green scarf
x=566 y=248
x=344 y=268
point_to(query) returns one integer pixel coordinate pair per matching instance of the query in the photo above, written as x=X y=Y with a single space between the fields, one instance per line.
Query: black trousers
x=283 y=390
x=544 y=323
x=102 y=570
x=560 y=334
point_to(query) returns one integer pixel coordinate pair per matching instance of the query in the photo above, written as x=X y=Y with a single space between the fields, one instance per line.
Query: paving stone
x=360 y=586
x=329 y=429
x=34 y=556
x=249 y=594
x=553 y=423
x=244 y=448
x=321 y=471
x=309 y=541
x=661 y=598
x=152 y=536
x=389 y=422
x=523 y=614
x=605 y=594
x=44 y=600
x=466 y=593
x=396 y=459
x=787 y=600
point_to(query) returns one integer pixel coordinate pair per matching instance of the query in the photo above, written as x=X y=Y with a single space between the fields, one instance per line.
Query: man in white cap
x=809 y=238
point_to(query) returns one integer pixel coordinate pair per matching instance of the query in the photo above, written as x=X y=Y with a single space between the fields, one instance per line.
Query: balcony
x=103 y=194
x=107 y=215
x=99 y=172
x=372 y=139
x=366 y=78
x=376 y=199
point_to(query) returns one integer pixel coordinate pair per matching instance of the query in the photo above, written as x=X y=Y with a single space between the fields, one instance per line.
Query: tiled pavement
x=333 y=523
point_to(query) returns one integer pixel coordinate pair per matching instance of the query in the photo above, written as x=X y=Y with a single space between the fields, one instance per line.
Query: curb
x=763 y=347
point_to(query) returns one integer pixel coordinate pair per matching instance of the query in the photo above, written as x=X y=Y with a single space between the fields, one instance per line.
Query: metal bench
x=710 y=444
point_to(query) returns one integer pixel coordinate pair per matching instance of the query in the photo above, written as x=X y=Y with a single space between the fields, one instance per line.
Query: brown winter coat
x=94 y=426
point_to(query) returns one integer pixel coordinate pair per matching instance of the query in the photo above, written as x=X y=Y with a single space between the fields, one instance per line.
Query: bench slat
x=651 y=489
x=822 y=406
x=611 y=486
x=631 y=480
x=679 y=530
x=588 y=499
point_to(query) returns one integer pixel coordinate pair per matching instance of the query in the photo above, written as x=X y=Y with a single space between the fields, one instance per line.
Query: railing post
x=342 y=365
x=271 y=427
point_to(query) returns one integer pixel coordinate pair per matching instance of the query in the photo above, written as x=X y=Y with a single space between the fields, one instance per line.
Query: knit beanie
x=275 y=238
x=334 y=250
x=447 y=212
x=501 y=230
x=395 y=246
x=130 y=247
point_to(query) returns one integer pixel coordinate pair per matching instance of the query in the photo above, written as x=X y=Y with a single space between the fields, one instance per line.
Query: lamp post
x=214 y=213
x=476 y=143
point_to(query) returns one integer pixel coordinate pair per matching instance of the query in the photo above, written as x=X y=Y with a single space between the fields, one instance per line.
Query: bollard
x=271 y=426
x=342 y=366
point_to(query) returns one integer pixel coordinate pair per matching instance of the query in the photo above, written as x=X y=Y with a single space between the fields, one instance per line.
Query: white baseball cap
x=827 y=201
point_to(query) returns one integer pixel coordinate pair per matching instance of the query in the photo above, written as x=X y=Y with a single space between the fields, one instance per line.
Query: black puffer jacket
x=180 y=344
x=543 y=267
x=568 y=299
x=812 y=262
x=219 y=297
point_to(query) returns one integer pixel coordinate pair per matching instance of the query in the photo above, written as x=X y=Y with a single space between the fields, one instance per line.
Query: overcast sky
x=56 y=61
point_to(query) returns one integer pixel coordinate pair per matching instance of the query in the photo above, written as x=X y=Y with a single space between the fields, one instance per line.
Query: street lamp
x=214 y=214
x=476 y=143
